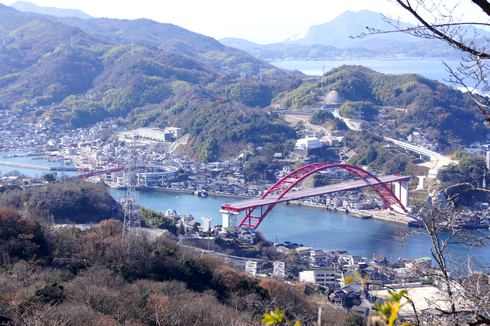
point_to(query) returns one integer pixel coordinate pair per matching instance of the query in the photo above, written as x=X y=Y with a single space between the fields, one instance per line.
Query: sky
x=262 y=21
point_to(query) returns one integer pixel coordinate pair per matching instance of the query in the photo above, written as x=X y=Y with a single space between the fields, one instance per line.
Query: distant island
x=342 y=38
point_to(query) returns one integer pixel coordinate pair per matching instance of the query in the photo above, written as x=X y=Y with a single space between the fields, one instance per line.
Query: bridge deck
x=312 y=192
x=25 y=166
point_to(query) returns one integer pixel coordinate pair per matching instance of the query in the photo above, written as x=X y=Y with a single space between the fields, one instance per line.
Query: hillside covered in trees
x=371 y=151
x=72 y=73
x=96 y=277
x=65 y=202
x=464 y=182
x=398 y=104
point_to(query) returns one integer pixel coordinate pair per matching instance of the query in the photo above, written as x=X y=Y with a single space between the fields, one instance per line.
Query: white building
x=420 y=263
x=279 y=269
x=487 y=160
x=251 y=267
x=150 y=134
x=318 y=257
x=347 y=260
x=333 y=140
x=169 y=134
x=308 y=143
x=207 y=224
x=322 y=277
x=176 y=132
x=304 y=252
x=154 y=179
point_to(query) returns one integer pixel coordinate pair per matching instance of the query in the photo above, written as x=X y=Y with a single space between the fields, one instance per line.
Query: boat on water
x=415 y=223
x=364 y=216
x=201 y=193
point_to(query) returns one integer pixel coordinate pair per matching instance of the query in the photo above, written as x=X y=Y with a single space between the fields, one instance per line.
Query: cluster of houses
x=354 y=282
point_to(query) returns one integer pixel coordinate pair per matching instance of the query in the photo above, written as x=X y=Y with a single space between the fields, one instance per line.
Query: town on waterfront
x=151 y=162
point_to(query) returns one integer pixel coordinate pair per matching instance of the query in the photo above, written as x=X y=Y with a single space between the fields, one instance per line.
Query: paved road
x=352 y=124
x=437 y=160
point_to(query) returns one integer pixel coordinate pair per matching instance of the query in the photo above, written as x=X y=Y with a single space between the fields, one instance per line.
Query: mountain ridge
x=349 y=25
x=402 y=104
x=25 y=6
x=341 y=38
x=72 y=73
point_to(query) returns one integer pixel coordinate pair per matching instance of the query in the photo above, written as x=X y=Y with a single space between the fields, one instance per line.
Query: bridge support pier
x=229 y=219
x=401 y=192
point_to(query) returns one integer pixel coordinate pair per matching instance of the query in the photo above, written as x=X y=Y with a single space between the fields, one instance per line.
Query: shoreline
x=185 y=191
x=380 y=215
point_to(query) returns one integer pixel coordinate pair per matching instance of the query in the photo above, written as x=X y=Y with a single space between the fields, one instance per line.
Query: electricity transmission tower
x=129 y=202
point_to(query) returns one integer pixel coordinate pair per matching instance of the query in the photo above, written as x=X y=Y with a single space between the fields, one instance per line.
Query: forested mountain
x=405 y=103
x=109 y=52
x=75 y=72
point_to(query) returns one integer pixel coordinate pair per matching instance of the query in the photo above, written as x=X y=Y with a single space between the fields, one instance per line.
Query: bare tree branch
x=439 y=22
x=405 y=4
x=483 y=4
x=371 y=30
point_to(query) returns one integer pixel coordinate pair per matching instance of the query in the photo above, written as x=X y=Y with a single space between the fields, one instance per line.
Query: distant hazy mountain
x=340 y=31
x=337 y=38
x=51 y=11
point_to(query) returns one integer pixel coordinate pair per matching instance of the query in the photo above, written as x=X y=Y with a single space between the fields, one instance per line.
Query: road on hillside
x=437 y=160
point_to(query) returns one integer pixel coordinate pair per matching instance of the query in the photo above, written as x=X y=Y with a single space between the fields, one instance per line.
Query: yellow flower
x=274 y=318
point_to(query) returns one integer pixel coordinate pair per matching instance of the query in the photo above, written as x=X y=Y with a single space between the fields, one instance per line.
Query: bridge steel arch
x=288 y=182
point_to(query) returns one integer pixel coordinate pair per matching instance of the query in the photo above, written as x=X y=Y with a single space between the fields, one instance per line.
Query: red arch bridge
x=392 y=189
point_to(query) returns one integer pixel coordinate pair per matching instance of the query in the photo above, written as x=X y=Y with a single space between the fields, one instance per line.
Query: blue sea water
x=322 y=229
x=31 y=161
x=432 y=68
